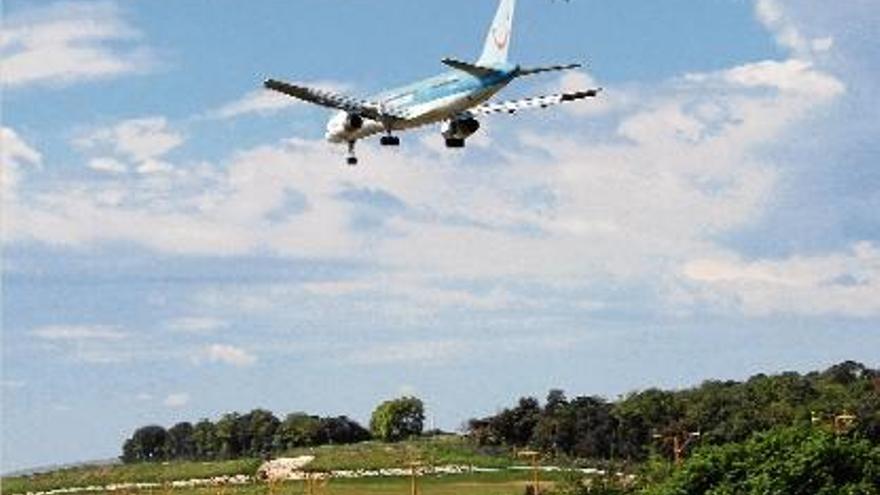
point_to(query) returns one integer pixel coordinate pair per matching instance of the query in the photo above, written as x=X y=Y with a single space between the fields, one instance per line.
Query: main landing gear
x=351 y=160
x=389 y=140
x=454 y=143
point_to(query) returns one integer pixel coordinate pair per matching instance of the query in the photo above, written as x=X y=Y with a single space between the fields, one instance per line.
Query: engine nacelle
x=345 y=123
x=460 y=128
x=353 y=122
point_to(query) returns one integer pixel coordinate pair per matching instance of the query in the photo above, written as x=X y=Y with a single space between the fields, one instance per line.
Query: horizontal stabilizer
x=554 y=68
x=515 y=106
x=474 y=70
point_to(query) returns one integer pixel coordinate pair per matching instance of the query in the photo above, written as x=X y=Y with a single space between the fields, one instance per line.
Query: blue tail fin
x=498 y=40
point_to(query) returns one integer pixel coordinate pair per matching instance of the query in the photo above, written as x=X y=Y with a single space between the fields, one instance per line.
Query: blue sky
x=178 y=244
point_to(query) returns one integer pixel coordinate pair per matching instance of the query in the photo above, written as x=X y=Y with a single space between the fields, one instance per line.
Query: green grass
x=436 y=451
x=131 y=473
x=501 y=483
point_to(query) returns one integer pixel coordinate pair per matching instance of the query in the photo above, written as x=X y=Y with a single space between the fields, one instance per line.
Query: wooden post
x=414 y=474
x=534 y=458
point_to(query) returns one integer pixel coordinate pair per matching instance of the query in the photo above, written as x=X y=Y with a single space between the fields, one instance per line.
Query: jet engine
x=343 y=124
x=458 y=129
x=353 y=122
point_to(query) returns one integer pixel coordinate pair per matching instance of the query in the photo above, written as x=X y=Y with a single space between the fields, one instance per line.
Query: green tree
x=516 y=426
x=205 y=441
x=642 y=415
x=181 y=444
x=147 y=444
x=229 y=436
x=344 y=430
x=583 y=427
x=398 y=419
x=789 y=461
x=724 y=412
x=256 y=432
x=299 y=430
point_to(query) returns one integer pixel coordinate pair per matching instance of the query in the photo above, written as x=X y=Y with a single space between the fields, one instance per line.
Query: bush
x=789 y=461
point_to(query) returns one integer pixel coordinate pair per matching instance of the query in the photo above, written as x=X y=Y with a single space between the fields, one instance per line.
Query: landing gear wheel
x=352 y=158
x=390 y=141
x=454 y=143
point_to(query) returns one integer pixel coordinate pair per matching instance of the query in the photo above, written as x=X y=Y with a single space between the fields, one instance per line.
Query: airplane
x=456 y=98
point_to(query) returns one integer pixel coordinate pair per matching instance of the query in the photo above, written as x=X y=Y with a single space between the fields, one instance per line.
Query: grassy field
x=503 y=483
x=133 y=473
x=437 y=451
x=370 y=455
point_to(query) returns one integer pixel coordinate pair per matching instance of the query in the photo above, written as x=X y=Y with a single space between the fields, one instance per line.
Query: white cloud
x=150 y=167
x=266 y=102
x=68 y=42
x=426 y=353
x=176 y=401
x=15 y=155
x=88 y=344
x=197 y=324
x=15 y=150
x=261 y=102
x=78 y=333
x=142 y=141
x=774 y=15
x=844 y=283
x=412 y=292
x=791 y=76
x=107 y=165
x=231 y=355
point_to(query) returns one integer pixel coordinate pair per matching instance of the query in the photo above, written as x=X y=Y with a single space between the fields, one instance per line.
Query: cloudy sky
x=178 y=244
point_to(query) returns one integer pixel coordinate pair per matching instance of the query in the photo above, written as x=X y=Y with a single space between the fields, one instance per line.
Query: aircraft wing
x=331 y=99
x=514 y=106
x=538 y=70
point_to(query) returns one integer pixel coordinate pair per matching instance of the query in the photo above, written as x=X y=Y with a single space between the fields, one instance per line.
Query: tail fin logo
x=501 y=37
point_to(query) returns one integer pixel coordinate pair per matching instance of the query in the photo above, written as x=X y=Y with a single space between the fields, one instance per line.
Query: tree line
x=721 y=412
x=260 y=433
x=255 y=434
x=585 y=427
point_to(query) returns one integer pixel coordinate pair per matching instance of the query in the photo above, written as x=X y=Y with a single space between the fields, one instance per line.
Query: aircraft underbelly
x=422 y=114
x=446 y=108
